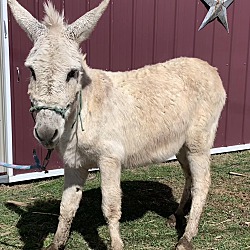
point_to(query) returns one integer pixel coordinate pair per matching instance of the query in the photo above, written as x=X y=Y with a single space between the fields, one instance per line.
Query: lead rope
x=37 y=164
x=46 y=161
x=76 y=121
x=79 y=112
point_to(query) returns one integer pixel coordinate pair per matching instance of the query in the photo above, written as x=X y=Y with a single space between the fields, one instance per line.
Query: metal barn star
x=218 y=8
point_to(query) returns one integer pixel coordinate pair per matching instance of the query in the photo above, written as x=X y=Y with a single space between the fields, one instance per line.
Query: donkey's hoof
x=177 y=221
x=171 y=221
x=184 y=244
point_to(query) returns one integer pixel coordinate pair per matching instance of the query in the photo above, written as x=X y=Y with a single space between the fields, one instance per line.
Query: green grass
x=150 y=195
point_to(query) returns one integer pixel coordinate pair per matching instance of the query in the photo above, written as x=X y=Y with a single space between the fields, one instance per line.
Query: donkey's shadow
x=139 y=197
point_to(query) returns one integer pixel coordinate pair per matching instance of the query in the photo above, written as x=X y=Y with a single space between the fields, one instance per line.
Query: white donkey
x=129 y=118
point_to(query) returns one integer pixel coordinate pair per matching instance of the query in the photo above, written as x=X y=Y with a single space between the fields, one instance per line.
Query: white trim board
x=7 y=91
x=35 y=175
x=60 y=172
x=2 y=120
x=228 y=149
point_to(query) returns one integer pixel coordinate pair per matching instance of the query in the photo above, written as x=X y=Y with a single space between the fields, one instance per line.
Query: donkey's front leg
x=72 y=194
x=110 y=169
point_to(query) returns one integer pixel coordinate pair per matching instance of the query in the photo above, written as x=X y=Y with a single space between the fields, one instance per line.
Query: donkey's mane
x=52 y=16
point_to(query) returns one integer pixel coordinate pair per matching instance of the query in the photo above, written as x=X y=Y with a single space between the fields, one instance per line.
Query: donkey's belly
x=154 y=152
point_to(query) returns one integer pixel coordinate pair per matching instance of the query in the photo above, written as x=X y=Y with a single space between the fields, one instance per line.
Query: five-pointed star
x=218 y=8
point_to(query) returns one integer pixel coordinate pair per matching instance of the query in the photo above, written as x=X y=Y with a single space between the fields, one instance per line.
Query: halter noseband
x=60 y=111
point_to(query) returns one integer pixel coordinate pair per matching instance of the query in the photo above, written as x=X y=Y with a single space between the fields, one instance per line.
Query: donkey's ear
x=27 y=22
x=81 y=29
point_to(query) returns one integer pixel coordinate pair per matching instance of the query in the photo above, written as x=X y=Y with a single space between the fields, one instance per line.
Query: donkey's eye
x=32 y=73
x=74 y=73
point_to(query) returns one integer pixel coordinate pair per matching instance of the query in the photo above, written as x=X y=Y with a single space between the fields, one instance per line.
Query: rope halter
x=60 y=111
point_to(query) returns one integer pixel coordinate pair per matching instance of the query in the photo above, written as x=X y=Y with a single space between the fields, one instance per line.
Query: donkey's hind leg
x=199 y=165
x=178 y=218
x=199 y=140
x=185 y=202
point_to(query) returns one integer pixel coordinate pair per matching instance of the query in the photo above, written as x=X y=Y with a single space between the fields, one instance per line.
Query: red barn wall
x=133 y=33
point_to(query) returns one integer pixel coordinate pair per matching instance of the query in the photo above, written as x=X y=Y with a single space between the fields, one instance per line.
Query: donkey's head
x=56 y=66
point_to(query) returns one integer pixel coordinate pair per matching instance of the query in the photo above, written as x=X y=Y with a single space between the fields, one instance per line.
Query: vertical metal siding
x=143 y=35
x=246 y=130
x=121 y=43
x=98 y=50
x=237 y=75
x=133 y=33
x=164 y=42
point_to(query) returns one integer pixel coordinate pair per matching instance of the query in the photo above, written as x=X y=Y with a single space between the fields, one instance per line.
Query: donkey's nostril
x=55 y=135
x=37 y=135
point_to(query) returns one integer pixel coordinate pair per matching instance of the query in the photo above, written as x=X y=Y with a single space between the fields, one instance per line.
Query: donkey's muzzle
x=48 y=137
